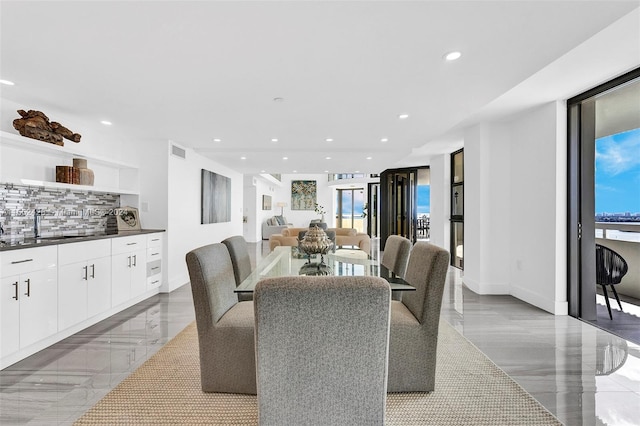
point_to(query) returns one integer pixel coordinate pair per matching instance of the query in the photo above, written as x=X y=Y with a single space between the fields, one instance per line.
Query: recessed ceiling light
x=403 y=116
x=285 y=158
x=295 y=171
x=452 y=56
x=326 y=171
x=7 y=82
x=217 y=140
x=357 y=171
x=369 y=158
x=327 y=158
x=243 y=158
x=262 y=171
x=384 y=140
x=274 y=139
x=329 y=140
x=106 y=122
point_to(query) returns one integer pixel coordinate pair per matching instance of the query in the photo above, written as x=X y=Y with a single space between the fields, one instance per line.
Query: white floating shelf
x=60 y=185
x=11 y=139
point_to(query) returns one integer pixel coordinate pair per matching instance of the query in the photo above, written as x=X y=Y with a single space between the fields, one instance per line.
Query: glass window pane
x=458 y=167
x=457 y=200
x=458 y=245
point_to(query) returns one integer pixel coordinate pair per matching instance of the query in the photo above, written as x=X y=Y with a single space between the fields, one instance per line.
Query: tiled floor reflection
x=584 y=375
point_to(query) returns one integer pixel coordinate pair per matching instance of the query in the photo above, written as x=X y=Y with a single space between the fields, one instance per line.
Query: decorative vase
x=315 y=241
x=85 y=174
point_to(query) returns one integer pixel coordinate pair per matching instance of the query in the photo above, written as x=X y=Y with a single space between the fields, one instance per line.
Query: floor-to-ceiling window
x=423 y=204
x=604 y=191
x=457 y=209
x=351 y=209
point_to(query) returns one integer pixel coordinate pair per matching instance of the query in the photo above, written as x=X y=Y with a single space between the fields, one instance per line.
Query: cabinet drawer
x=77 y=252
x=154 y=253
x=154 y=240
x=154 y=268
x=128 y=244
x=15 y=262
x=154 y=281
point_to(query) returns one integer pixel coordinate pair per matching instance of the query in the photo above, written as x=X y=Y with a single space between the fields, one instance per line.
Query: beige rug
x=470 y=390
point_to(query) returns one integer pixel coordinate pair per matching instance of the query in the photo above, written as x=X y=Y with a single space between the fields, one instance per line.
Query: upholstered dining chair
x=240 y=260
x=413 y=336
x=225 y=326
x=395 y=257
x=610 y=268
x=321 y=350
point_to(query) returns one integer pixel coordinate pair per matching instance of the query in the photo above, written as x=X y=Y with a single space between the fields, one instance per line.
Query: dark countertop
x=49 y=241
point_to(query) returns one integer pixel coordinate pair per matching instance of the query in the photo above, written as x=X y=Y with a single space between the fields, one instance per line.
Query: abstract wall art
x=216 y=198
x=303 y=194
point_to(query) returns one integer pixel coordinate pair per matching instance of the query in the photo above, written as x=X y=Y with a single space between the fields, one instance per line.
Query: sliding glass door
x=604 y=185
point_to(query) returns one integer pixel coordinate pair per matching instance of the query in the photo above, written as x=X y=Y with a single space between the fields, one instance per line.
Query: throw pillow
x=280 y=220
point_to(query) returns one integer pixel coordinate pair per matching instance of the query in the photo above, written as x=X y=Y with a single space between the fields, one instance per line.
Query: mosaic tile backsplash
x=62 y=212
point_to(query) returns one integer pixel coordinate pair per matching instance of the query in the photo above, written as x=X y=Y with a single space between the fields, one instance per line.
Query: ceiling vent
x=178 y=152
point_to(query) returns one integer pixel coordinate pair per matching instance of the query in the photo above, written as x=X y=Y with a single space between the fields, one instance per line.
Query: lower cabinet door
x=139 y=273
x=9 y=315
x=38 y=307
x=121 y=265
x=72 y=294
x=99 y=286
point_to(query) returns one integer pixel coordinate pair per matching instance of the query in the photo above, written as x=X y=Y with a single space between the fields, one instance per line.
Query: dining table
x=343 y=261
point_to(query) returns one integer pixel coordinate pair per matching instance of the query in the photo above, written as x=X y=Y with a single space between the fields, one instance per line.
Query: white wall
x=487 y=178
x=515 y=208
x=301 y=218
x=184 y=231
x=255 y=187
x=538 y=255
x=440 y=204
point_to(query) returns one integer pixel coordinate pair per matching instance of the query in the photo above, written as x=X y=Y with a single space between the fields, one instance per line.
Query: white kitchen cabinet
x=128 y=268
x=28 y=309
x=154 y=260
x=84 y=281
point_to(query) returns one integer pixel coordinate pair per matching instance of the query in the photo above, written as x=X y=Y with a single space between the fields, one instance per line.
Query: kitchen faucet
x=37 y=213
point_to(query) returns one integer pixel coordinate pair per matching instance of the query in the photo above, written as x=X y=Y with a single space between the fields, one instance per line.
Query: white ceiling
x=194 y=71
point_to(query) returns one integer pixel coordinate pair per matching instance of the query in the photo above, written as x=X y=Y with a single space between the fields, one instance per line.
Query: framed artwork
x=266 y=202
x=128 y=219
x=303 y=194
x=216 y=198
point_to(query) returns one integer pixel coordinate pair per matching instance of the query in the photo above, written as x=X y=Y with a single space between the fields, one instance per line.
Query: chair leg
x=606 y=299
x=615 y=293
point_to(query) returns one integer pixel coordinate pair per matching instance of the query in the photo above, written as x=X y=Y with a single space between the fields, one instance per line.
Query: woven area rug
x=470 y=390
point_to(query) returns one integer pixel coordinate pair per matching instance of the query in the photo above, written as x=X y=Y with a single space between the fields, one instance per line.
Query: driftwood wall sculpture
x=36 y=125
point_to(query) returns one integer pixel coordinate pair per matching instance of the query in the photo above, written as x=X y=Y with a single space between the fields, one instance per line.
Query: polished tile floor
x=584 y=375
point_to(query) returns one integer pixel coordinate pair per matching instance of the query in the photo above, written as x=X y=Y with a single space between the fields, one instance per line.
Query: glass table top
x=345 y=261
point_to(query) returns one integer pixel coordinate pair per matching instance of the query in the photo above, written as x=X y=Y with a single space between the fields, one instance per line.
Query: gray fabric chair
x=396 y=254
x=413 y=337
x=321 y=350
x=240 y=260
x=225 y=326
x=395 y=257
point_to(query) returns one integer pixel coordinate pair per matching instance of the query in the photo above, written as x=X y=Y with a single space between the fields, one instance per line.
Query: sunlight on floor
x=626 y=307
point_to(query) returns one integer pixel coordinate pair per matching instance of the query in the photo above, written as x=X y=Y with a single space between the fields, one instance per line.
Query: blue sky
x=618 y=173
x=424 y=193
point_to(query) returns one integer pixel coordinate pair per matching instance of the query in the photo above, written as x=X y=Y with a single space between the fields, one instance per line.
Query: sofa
x=351 y=237
x=274 y=225
x=288 y=237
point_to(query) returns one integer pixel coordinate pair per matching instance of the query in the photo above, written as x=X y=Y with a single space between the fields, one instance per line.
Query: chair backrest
x=427 y=272
x=240 y=259
x=322 y=349
x=396 y=254
x=610 y=266
x=212 y=284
